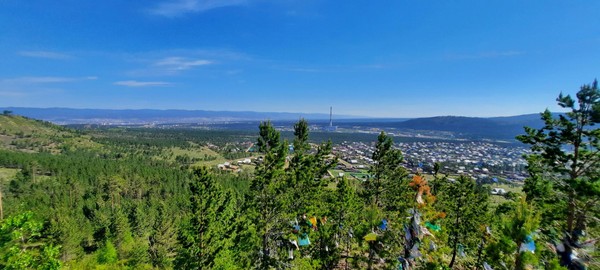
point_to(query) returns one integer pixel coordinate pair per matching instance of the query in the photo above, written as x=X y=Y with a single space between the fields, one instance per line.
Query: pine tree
x=202 y=236
x=305 y=172
x=267 y=189
x=384 y=192
x=465 y=204
x=344 y=217
x=163 y=238
x=564 y=167
x=23 y=244
x=385 y=182
x=516 y=228
x=108 y=253
x=304 y=193
x=386 y=160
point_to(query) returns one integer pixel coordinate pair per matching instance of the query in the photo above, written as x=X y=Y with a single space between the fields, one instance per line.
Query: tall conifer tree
x=565 y=166
x=266 y=190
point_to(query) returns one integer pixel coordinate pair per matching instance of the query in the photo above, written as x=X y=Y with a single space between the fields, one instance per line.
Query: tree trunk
x=454 y=249
x=579 y=226
x=518 y=263
x=265 y=256
x=455 y=236
x=479 y=253
x=571 y=212
x=573 y=174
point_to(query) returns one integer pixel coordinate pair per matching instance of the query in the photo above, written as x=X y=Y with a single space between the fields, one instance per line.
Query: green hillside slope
x=29 y=135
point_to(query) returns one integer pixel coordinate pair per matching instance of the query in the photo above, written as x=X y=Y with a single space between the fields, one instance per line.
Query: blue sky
x=369 y=58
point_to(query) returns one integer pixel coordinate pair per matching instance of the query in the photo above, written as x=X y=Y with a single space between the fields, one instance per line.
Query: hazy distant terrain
x=145 y=116
x=502 y=128
x=474 y=127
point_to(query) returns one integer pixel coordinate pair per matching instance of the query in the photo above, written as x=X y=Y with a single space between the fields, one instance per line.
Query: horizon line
x=346 y=116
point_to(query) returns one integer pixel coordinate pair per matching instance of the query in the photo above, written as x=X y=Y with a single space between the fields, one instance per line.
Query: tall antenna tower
x=331 y=127
x=330 y=116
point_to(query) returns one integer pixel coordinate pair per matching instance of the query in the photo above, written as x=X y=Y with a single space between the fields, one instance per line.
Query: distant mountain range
x=475 y=127
x=465 y=127
x=145 y=116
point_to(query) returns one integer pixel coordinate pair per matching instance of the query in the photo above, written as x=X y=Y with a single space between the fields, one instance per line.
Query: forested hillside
x=120 y=200
x=505 y=128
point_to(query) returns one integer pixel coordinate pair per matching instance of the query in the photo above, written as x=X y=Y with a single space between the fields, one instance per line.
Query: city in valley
x=486 y=160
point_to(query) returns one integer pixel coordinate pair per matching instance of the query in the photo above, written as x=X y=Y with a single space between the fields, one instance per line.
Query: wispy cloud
x=175 y=8
x=483 y=55
x=44 y=79
x=177 y=61
x=141 y=84
x=180 y=63
x=44 y=54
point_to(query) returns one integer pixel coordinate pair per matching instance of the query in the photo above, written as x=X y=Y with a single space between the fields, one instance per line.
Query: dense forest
x=112 y=199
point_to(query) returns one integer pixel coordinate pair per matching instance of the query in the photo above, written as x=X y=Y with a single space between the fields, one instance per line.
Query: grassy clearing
x=516 y=188
x=7 y=174
x=362 y=176
x=331 y=185
x=497 y=199
x=208 y=158
x=335 y=173
x=199 y=153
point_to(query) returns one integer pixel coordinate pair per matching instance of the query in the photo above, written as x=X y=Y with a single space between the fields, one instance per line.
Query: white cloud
x=180 y=63
x=175 y=8
x=44 y=54
x=176 y=61
x=141 y=84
